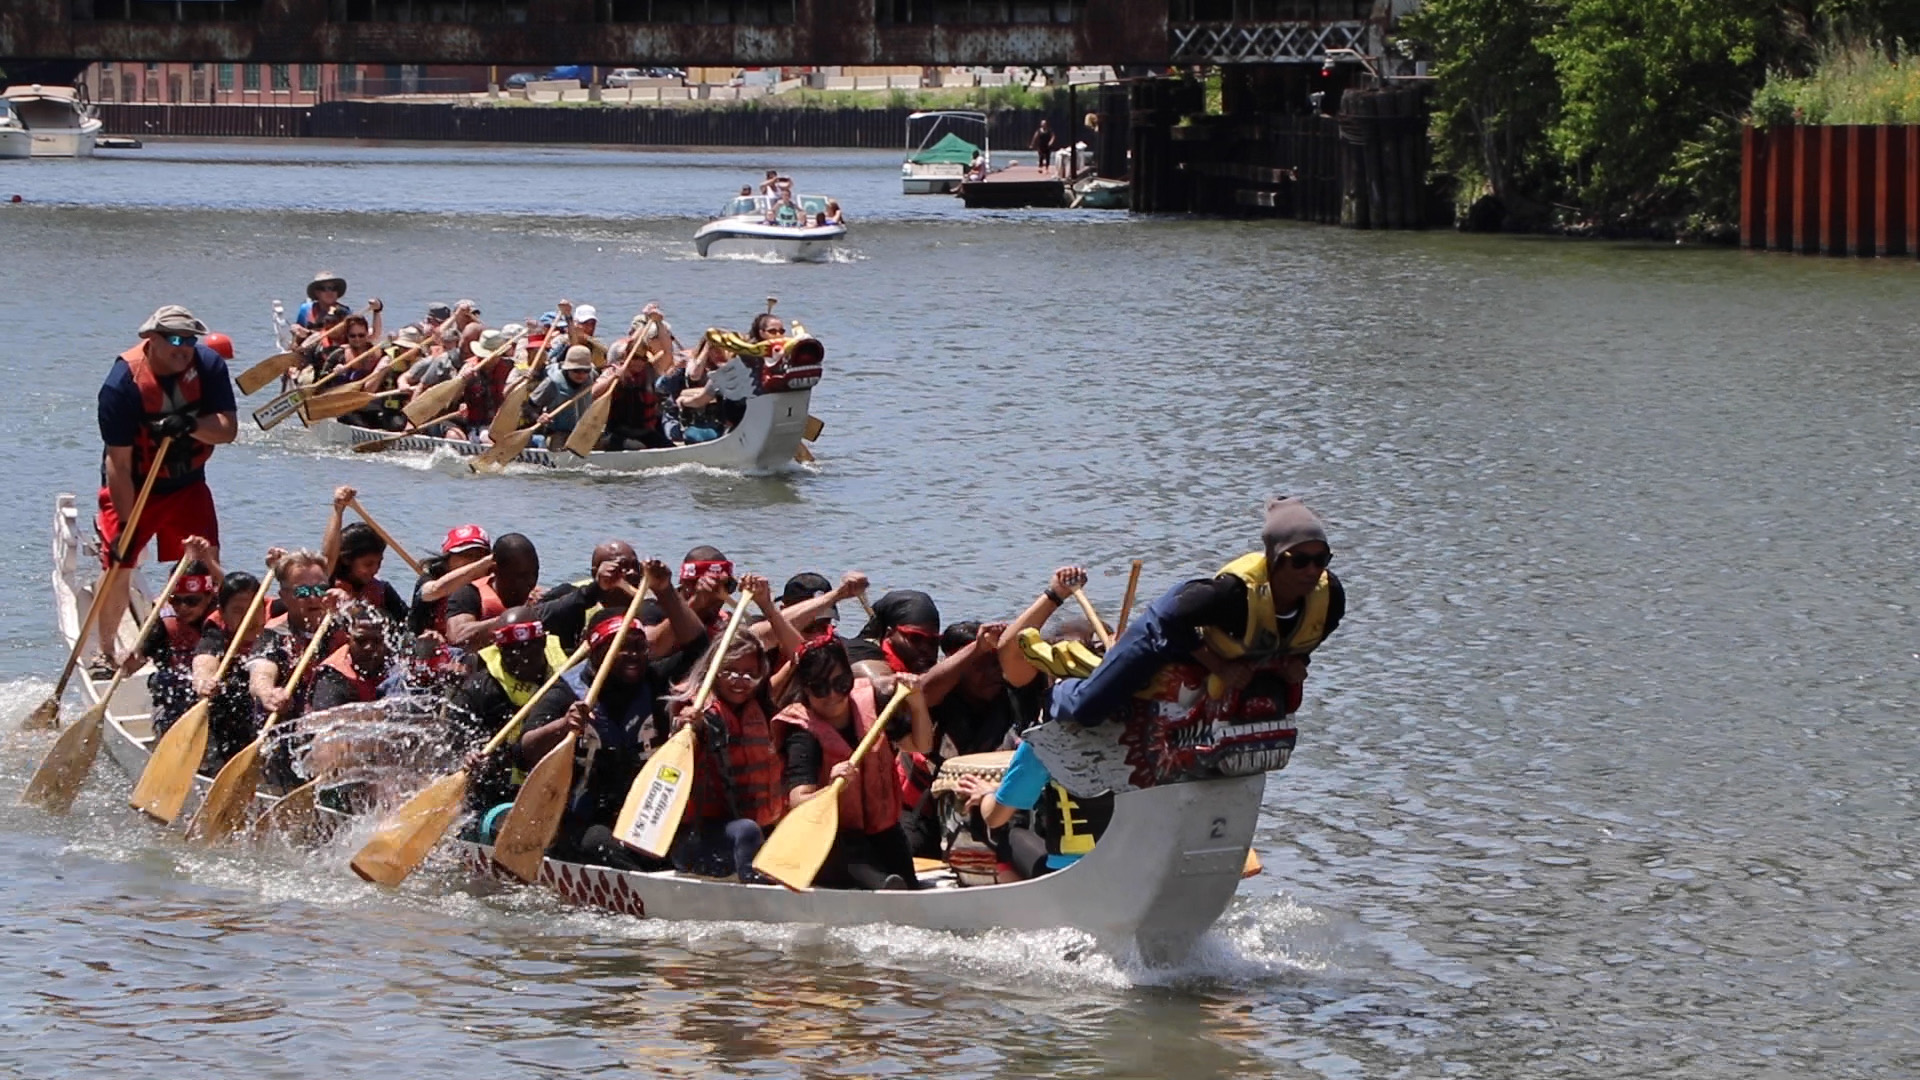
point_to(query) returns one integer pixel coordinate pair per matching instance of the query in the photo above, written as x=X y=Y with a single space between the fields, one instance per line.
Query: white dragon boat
x=1159 y=877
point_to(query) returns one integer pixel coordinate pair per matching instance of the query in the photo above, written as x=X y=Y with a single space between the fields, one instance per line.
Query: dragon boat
x=1162 y=873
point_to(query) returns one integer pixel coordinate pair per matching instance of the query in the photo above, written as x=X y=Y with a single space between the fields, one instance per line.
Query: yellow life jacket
x=1261 y=638
x=521 y=692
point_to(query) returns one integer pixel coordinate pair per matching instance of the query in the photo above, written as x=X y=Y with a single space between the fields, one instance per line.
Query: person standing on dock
x=1042 y=144
x=170 y=386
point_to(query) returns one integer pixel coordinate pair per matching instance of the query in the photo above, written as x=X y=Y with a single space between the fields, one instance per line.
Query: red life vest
x=157 y=404
x=490 y=602
x=182 y=637
x=751 y=768
x=870 y=800
x=636 y=407
x=341 y=661
x=485 y=392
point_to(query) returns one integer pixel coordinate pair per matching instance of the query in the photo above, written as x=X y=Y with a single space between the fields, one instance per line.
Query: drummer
x=1065 y=827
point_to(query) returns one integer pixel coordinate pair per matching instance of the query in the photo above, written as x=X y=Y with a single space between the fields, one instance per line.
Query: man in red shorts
x=169 y=385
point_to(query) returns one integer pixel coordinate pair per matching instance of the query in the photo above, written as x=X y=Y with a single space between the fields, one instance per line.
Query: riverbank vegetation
x=1623 y=117
x=1852 y=84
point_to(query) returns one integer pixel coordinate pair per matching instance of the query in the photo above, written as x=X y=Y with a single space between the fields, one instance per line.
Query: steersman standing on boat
x=170 y=385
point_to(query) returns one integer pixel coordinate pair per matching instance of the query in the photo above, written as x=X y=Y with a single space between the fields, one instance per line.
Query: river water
x=1610 y=771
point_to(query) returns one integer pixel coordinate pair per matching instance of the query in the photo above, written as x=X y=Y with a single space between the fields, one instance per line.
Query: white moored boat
x=14 y=140
x=938 y=162
x=1161 y=874
x=767 y=438
x=751 y=225
x=55 y=118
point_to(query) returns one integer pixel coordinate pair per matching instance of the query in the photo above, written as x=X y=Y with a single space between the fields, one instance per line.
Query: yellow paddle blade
x=65 y=768
x=534 y=820
x=339 y=403
x=295 y=815
x=411 y=831
x=168 y=778
x=434 y=400
x=1252 y=865
x=658 y=798
x=508 y=418
x=225 y=807
x=586 y=435
x=266 y=371
x=503 y=451
x=799 y=845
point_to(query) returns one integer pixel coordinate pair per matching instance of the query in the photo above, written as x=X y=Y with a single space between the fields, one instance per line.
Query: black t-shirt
x=962 y=725
x=464 y=601
x=390 y=604
x=479 y=708
x=802 y=754
x=859 y=649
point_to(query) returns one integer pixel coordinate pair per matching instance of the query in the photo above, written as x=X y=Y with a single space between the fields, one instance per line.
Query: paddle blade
x=251 y=380
x=375 y=446
x=67 y=763
x=44 y=716
x=434 y=400
x=511 y=410
x=339 y=403
x=503 y=451
x=225 y=807
x=1252 y=865
x=799 y=845
x=658 y=799
x=586 y=434
x=296 y=814
x=534 y=820
x=168 y=778
x=411 y=831
x=275 y=412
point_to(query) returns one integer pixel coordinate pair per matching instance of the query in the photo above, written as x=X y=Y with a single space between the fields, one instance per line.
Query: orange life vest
x=182 y=637
x=341 y=661
x=490 y=603
x=750 y=769
x=870 y=800
x=186 y=455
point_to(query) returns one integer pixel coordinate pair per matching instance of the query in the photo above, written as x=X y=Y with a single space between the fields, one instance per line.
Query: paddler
x=486 y=391
x=559 y=385
x=1252 y=626
x=578 y=326
x=706 y=581
x=520 y=656
x=738 y=794
x=613 y=574
x=622 y=728
x=902 y=636
x=170 y=385
x=354 y=672
x=476 y=610
x=356 y=552
x=304 y=588
x=232 y=706
x=325 y=291
x=633 y=421
x=466 y=556
x=174 y=639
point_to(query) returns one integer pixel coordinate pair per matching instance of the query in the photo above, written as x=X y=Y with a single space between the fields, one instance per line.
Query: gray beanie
x=1289 y=522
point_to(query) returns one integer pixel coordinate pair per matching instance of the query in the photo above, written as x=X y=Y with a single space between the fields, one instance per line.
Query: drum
x=973 y=862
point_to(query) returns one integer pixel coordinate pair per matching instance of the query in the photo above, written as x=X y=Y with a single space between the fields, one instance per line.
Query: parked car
x=577 y=72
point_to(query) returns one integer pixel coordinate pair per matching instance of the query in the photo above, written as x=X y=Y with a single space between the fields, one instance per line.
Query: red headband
x=815 y=642
x=519 y=633
x=604 y=630
x=696 y=569
x=196 y=584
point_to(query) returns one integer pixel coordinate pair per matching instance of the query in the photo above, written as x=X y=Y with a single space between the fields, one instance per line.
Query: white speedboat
x=14 y=140
x=756 y=225
x=940 y=160
x=56 y=119
x=1163 y=871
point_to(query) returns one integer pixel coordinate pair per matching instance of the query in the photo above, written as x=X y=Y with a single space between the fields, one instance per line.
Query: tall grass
x=1852 y=83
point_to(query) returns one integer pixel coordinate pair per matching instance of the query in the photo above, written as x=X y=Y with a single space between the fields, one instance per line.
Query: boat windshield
x=813 y=205
x=743 y=204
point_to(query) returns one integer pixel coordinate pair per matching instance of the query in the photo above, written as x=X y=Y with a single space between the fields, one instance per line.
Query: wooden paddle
x=1100 y=628
x=387 y=536
x=1126 y=603
x=593 y=422
x=339 y=403
x=275 y=412
x=506 y=420
x=434 y=399
x=1252 y=865
x=168 y=778
x=658 y=798
x=65 y=768
x=225 y=806
x=47 y=713
x=534 y=819
x=799 y=845
x=388 y=442
x=516 y=442
x=411 y=831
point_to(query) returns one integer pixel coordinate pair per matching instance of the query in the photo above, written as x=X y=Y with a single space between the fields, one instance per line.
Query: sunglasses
x=182 y=339
x=841 y=683
x=309 y=592
x=1301 y=562
x=741 y=676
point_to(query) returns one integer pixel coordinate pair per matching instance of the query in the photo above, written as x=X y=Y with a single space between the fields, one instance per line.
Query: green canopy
x=950 y=150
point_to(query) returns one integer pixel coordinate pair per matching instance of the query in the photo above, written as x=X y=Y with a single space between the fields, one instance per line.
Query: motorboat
x=942 y=157
x=14 y=140
x=791 y=229
x=1166 y=867
x=57 y=119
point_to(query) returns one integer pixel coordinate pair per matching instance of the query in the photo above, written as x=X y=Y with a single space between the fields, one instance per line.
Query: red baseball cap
x=466 y=538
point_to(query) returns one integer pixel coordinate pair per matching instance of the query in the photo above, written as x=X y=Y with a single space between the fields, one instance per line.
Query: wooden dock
x=1015 y=186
